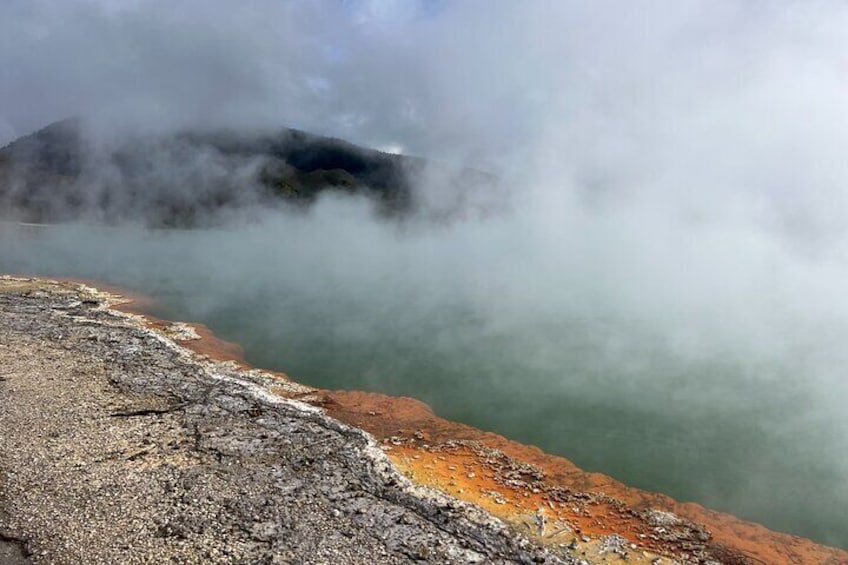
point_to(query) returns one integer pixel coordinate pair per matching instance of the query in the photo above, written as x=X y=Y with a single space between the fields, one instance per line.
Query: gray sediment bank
x=119 y=446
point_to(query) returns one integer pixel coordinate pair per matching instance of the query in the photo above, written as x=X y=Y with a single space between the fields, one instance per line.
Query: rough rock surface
x=118 y=446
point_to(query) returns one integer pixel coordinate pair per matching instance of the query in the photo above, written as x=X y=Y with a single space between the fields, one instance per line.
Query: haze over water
x=658 y=294
x=681 y=406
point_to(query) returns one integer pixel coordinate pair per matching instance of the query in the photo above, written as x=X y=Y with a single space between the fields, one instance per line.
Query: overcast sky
x=479 y=77
x=710 y=106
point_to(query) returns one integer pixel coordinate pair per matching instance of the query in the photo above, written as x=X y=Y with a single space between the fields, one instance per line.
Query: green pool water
x=756 y=431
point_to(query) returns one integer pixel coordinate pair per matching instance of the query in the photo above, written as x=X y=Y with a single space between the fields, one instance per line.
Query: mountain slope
x=193 y=178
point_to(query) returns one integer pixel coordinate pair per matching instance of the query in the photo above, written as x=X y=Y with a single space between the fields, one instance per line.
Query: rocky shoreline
x=121 y=445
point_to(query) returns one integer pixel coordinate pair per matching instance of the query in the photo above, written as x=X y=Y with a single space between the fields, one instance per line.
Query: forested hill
x=195 y=177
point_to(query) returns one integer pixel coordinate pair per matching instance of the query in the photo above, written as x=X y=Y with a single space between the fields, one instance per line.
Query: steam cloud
x=677 y=199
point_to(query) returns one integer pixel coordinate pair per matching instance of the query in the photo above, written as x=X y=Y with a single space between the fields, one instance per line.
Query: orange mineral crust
x=513 y=481
x=547 y=497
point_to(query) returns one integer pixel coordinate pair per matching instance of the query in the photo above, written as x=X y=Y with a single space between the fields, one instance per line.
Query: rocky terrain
x=129 y=440
x=120 y=447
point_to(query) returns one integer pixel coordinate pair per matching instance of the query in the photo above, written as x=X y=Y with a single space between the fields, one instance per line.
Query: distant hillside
x=191 y=178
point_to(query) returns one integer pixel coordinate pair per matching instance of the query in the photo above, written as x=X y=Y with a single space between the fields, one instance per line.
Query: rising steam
x=668 y=254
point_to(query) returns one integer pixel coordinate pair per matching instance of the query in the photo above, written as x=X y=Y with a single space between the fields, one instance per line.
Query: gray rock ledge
x=120 y=446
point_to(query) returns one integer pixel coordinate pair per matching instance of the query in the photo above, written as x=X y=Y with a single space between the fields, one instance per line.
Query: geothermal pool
x=732 y=400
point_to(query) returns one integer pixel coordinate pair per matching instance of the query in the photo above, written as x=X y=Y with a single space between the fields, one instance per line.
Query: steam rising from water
x=701 y=380
x=664 y=301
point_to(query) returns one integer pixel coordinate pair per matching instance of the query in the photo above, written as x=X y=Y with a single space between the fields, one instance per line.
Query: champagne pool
x=689 y=401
